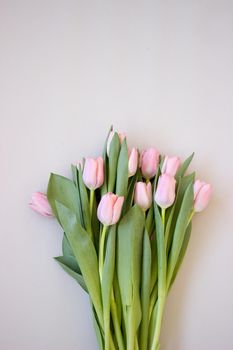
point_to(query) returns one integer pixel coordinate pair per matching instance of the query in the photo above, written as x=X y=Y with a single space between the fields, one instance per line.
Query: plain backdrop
x=161 y=71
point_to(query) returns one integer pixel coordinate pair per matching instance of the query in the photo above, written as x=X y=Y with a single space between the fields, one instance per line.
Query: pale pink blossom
x=170 y=165
x=143 y=195
x=109 y=209
x=93 y=172
x=165 y=191
x=149 y=162
x=133 y=162
x=202 y=194
x=39 y=203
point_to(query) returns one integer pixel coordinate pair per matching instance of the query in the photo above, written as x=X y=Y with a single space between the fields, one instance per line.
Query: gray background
x=160 y=71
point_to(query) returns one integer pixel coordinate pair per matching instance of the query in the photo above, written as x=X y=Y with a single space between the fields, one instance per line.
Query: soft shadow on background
x=162 y=72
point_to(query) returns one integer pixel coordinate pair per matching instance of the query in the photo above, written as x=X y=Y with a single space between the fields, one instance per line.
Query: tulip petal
x=117 y=210
x=165 y=192
x=203 y=197
x=100 y=172
x=40 y=204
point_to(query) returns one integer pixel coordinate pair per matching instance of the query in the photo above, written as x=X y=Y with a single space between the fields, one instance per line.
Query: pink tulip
x=109 y=209
x=165 y=192
x=121 y=136
x=202 y=194
x=133 y=161
x=170 y=165
x=40 y=204
x=143 y=195
x=149 y=162
x=93 y=173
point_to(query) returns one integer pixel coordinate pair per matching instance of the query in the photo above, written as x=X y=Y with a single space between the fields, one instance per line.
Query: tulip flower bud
x=93 y=173
x=170 y=165
x=109 y=209
x=149 y=162
x=40 y=204
x=202 y=194
x=165 y=192
x=121 y=136
x=143 y=195
x=133 y=161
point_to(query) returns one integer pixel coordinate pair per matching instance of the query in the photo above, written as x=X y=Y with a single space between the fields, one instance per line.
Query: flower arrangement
x=127 y=223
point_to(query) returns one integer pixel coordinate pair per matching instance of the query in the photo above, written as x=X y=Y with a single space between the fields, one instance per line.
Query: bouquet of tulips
x=127 y=223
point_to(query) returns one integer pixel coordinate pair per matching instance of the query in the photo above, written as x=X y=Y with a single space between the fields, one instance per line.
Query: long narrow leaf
x=183 y=184
x=130 y=233
x=104 y=188
x=182 y=252
x=182 y=169
x=85 y=254
x=84 y=203
x=112 y=162
x=63 y=190
x=67 y=265
x=98 y=330
x=180 y=229
x=122 y=170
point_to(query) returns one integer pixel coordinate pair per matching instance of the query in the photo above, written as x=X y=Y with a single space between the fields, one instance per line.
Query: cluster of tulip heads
x=147 y=164
x=141 y=203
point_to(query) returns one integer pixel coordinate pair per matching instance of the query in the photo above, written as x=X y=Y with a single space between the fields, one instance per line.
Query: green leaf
x=161 y=252
x=145 y=291
x=66 y=248
x=84 y=203
x=180 y=229
x=74 y=174
x=63 y=190
x=112 y=162
x=68 y=253
x=182 y=169
x=122 y=170
x=183 y=184
x=182 y=252
x=130 y=194
x=150 y=221
x=107 y=280
x=98 y=330
x=154 y=263
x=104 y=188
x=152 y=325
x=158 y=173
x=129 y=251
x=95 y=223
x=84 y=251
x=70 y=266
x=168 y=231
x=117 y=295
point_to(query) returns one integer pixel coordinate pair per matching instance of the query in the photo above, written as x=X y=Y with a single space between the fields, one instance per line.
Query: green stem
x=162 y=271
x=136 y=344
x=116 y=323
x=92 y=193
x=130 y=331
x=112 y=345
x=159 y=316
x=163 y=218
x=101 y=251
